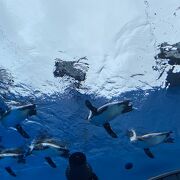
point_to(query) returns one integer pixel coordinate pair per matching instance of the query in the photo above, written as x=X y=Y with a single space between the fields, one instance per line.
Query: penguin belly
x=106 y=116
x=153 y=141
x=13 y=118
x=156 y=140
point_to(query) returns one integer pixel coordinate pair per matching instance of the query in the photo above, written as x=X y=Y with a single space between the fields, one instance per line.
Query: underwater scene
x=89 y=90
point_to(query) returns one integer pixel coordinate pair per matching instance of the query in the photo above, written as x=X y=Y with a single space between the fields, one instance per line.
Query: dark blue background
x=64 y=116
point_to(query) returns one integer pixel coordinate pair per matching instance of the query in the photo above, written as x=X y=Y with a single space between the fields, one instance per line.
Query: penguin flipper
x=50 y=162
x=22 y=131
x=109 y=130
x=148 y=153
x=10 y=171
x=90 y=106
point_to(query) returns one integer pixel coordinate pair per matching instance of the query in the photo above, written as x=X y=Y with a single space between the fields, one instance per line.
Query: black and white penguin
x=14 y=117
x=149 y=140
x=10 y=155
x=48 y=148
x=103 y=115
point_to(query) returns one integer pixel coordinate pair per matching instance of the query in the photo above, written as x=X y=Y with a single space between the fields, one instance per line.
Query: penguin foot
x=169 y=140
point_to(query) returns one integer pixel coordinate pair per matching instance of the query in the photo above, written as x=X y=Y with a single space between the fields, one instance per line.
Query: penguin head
x=131 y=134
x=127 y=106
x=77 y=159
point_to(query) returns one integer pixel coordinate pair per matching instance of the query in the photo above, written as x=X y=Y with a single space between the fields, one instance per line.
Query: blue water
x=64 y=116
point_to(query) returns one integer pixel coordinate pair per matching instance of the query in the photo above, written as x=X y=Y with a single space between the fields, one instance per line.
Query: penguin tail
x=169 y=133
x=169 y=140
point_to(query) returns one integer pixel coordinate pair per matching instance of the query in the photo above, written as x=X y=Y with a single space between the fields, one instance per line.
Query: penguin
x=48 y=148
x=10 y=155
x=79 y=168
x=149 y=140
x=103 y=115
x=14 y=116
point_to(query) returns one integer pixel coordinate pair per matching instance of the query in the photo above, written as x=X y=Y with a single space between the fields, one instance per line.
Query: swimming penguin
x=10 y=155
x=48 y=148
x=148 y=140
x=79 y=169
x=103 y=115
x=13 y=117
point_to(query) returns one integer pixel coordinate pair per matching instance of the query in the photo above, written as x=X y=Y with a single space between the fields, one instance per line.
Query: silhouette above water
x=170 y=52
x=168 y=58
x=74 y=69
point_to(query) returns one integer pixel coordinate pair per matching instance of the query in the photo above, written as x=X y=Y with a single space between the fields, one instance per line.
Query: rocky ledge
x=74 y=69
